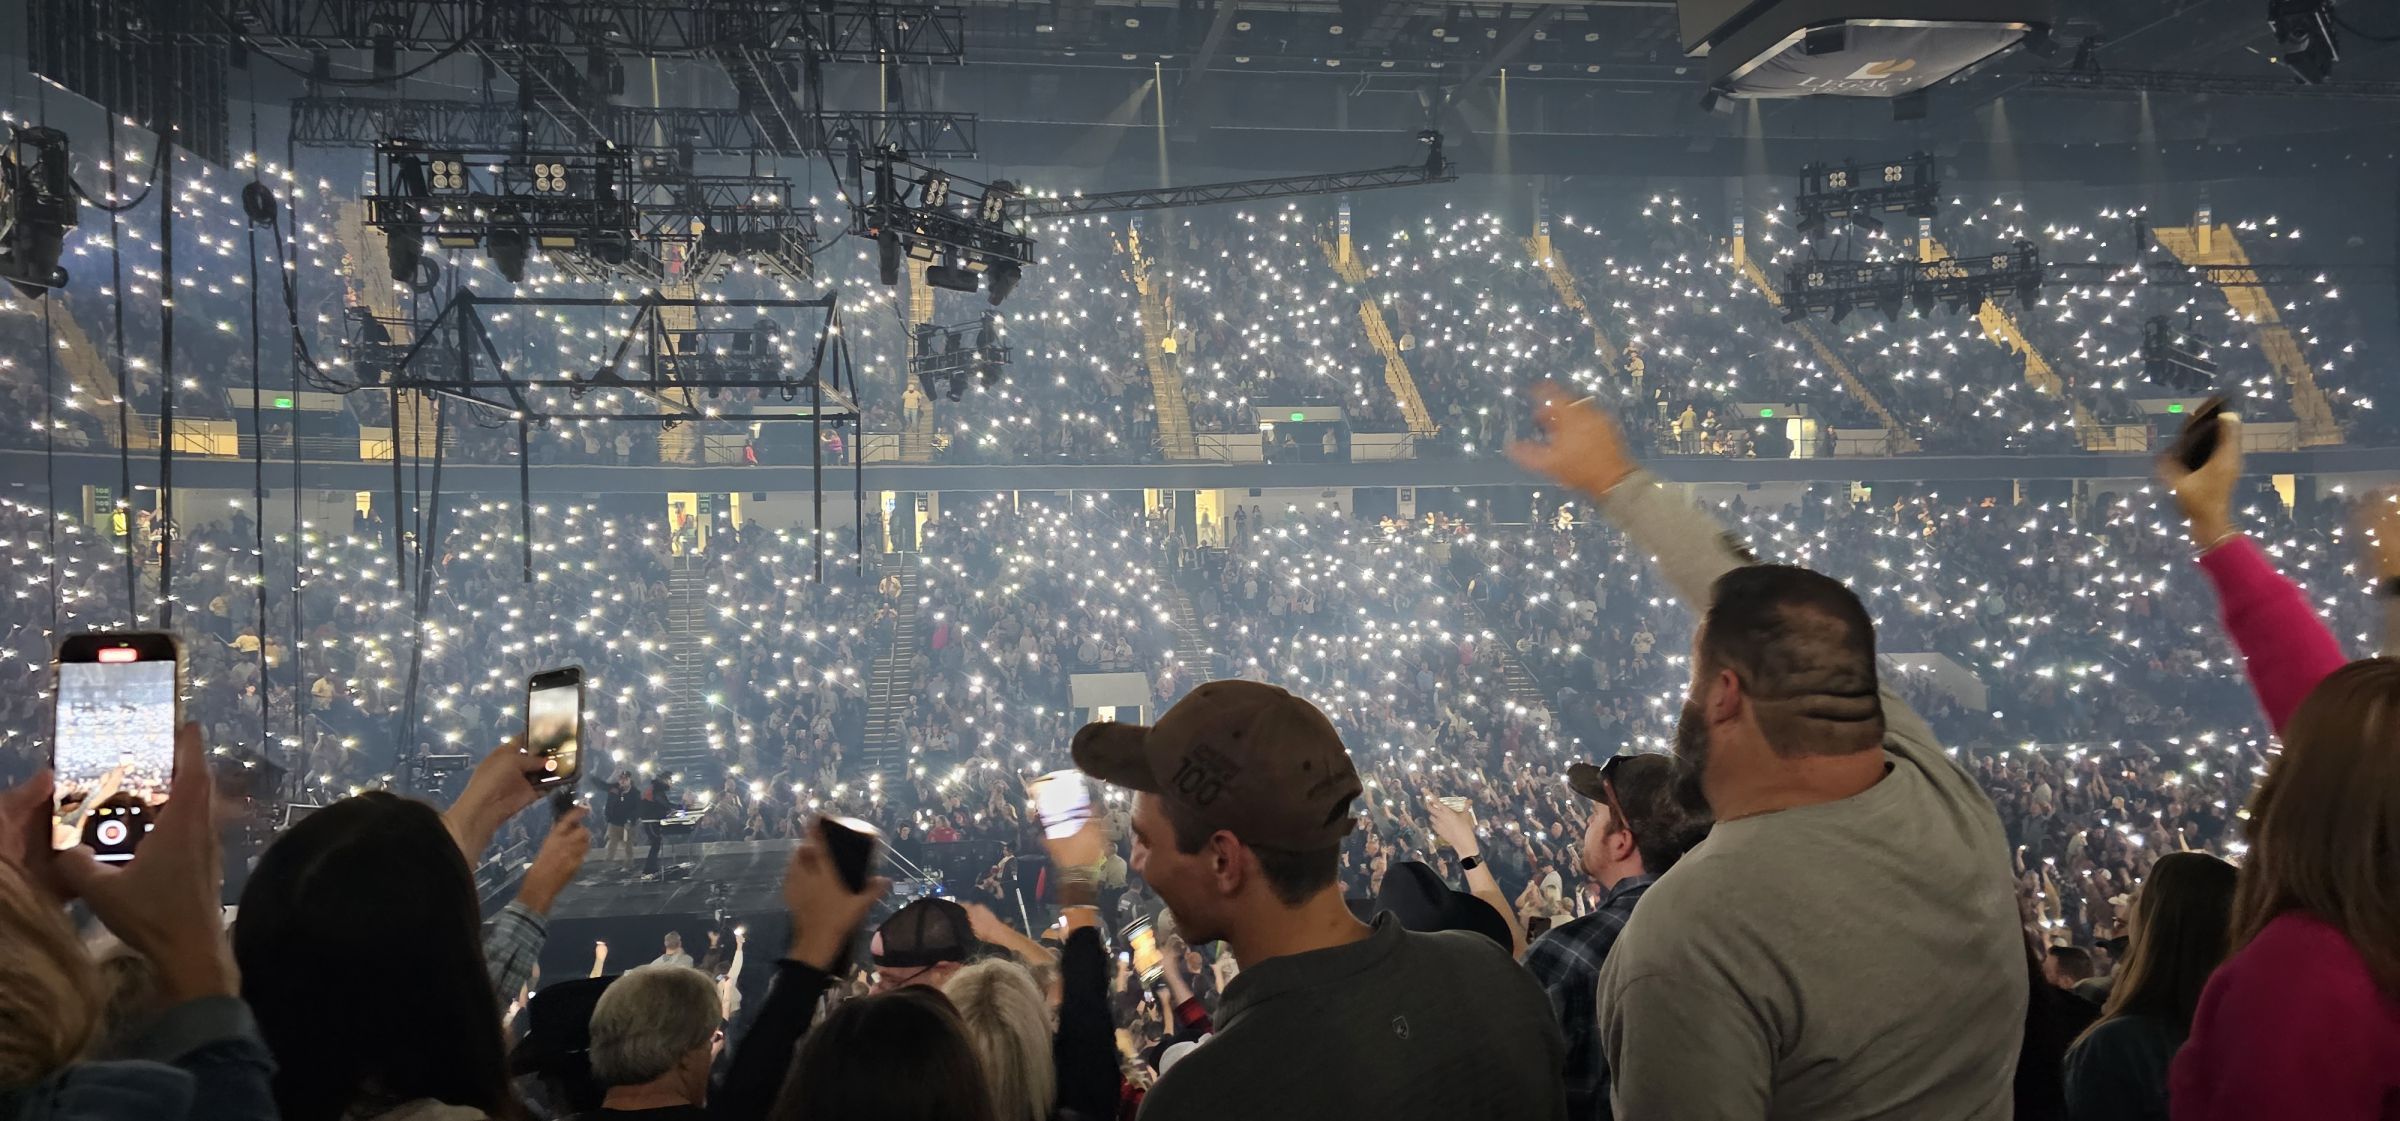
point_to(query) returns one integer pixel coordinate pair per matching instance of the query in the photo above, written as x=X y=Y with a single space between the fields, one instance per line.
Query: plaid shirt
x=1567 y=963
x=512 y=943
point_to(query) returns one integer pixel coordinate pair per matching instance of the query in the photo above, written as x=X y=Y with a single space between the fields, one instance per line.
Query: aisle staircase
x=916 y=439
x=1166 y=367
x=2001 y=328
x=1395 y=368
x=2215 y=245
x=369 y=266
x=679 y=443
x=891 y=682
x=683 y=746
x=1517 y=682
x=1194 y=661
x=1544 y=254
x=1901 y=441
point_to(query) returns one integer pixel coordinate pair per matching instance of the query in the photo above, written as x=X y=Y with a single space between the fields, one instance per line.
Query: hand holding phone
x=852 y=844
x=1062 y=801
x=554 y=724
x=112 y=747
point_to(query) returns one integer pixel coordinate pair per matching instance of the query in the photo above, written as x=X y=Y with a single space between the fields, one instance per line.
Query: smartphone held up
x=1063 y=801
x=112 y=744
x=554 y=724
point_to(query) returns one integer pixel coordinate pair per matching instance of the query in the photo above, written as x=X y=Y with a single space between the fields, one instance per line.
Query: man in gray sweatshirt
x=1845 y=944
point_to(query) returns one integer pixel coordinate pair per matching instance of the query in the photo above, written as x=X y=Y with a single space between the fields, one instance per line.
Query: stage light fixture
x=508 y=248
x=935 y=191
x=995 y=201
x=1005 y=276
x=37 y=208
x=550 y=178
x=952 y=277
x=449 y=174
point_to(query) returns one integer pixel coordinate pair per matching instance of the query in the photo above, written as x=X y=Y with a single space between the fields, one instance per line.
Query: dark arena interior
x=1573 y=558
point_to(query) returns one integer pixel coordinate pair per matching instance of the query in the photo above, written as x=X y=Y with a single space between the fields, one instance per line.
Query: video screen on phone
x=1142 y=939
x=553 y=728
x=1063 y=802
x=114 y=753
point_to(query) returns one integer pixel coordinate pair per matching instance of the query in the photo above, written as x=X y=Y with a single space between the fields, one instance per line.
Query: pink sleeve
x=2285 y=646
x=2291 y=1036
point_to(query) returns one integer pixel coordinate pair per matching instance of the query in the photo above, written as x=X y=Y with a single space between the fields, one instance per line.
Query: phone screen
x=1063 y=801
x=554 y=726
x=1142 y=939
x=114 y=749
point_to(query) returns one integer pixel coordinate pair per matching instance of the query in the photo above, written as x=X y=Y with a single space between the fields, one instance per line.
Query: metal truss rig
x=348 y=122
x=778 y=30
x=2182 y=81
x=667 y=367
x=1250 y=190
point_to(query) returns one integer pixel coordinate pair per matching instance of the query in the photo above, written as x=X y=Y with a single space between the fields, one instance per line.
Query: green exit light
x=1766 y=412
x=283 y=402
x=2176 y=407
x=1299 y=416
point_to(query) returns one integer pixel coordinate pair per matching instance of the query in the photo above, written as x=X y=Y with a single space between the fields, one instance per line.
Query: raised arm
x=825 y=919
x=2286 y=649
x=2379 y=536
x=1587 y=451
x=1458 y=828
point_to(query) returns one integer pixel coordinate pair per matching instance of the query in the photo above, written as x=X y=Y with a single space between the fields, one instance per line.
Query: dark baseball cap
x=1417 y=897
x=1652 y=801
x=927 y=932
x=1241 y=756
x=558 y=1029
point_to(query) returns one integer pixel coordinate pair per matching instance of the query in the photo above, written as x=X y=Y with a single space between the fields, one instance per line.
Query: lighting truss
x=780 y=31
x=693 y=228
x=1435 y=169
x=2191 y=82
x=948 y=355
x=959 y=227
x=341 y=122
x=508 y=204
x=682 y=375
x=1958 y=284
x=2179 y=360
x=37 y=208
x=1859 y=192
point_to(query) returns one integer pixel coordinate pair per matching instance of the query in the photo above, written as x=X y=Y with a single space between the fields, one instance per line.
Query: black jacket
x=624 y=806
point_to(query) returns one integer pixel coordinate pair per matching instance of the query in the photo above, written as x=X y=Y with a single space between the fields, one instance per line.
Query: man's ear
x=1725 y=701
x=1229 y=861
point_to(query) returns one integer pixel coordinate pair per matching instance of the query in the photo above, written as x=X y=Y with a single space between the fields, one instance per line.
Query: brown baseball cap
x=1240 y=756
x=1652 y=801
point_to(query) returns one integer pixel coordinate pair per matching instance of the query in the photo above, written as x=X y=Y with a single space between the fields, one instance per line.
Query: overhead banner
x=1876 y=59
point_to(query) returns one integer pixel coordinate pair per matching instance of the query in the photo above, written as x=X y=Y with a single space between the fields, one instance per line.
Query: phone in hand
x=1062 y=800
x=112 y=745
x=554 y=724
x=2201 y=431
x=852 y=844
x=1141 y=941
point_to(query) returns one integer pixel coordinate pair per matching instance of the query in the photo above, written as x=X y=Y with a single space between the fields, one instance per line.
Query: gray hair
x=648 y=1020
x=1008 y=1023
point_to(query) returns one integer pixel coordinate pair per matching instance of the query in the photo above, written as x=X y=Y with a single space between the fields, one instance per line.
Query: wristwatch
x=1470 y=863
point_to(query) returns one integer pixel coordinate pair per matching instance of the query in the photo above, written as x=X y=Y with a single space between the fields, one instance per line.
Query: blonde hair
x=1008 y=1024
x=49 y=990
x=2325 y=820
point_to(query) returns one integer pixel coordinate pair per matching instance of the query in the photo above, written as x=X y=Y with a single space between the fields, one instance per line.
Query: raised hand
x=825 y=912
x=1582 y=446
x=561 y=856
x=501 y=787
x=166 y=902
x=2206 y=495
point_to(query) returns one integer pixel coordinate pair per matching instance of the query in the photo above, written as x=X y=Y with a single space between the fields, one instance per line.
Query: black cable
x=50 y=457
x=291 y=161
x=166 y=394
x=123 y=506
x=157 y=159
x=258 y=453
